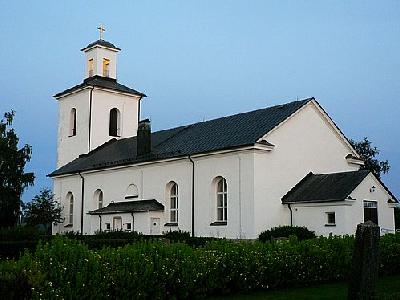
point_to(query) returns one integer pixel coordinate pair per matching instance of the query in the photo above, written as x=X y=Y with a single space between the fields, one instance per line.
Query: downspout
x=133 y=222
x=291 y=214
x=90 y=117
x=139 y=108
x=82 y=199
x=191 y=160
x=240 y=196
x=100 y=222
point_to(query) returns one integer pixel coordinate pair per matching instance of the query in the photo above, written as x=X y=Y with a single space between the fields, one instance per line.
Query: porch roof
x=129 y=207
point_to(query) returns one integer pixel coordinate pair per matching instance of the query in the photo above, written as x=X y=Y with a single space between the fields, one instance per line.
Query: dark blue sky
x=204 y=59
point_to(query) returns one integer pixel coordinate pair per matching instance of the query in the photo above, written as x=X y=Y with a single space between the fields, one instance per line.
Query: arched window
x=72 y=122
x=132 y=192
x=115 y=120
x=98 y=198
x=173 y=202
x=70 y=202
x=222 y=199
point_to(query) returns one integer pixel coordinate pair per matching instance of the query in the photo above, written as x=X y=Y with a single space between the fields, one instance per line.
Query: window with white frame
x=222 y=200
x=371 y=211
x=115 y=123
x=331 y=218
x=70 y=201
x=72 y=122
x=98 y=198
x=108 y=226
x=173 y=202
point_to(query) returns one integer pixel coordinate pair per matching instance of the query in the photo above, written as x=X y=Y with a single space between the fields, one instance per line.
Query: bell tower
x=98 y=109
x=101 y=58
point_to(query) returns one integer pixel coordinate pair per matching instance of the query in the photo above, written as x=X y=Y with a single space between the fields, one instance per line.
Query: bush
x=177 y=235
x=302 y=233
x=153 y=269
x=20 y=233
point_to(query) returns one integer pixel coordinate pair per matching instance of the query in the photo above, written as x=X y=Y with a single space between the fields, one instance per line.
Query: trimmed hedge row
x=13 y=242
x=65 y=268
x=302 y=233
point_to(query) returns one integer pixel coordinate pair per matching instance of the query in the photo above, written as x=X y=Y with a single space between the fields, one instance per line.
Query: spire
x=101 y=31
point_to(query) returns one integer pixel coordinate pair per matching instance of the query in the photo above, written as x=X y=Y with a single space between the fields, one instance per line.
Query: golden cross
x=101 y=30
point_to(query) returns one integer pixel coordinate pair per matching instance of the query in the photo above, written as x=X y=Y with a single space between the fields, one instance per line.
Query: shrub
x=177 y=235
x=302 y=233
x=20 y=233
x=154 y=269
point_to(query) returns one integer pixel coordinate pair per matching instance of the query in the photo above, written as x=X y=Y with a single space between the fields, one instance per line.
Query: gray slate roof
x=325 y=187
x=102 y=82
x=224 y=133
x=101 y=43
x=129 y=207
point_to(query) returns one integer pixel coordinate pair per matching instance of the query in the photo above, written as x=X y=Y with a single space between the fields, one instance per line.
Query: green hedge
x=66 y=268
x=302 y=233
x=15 y=241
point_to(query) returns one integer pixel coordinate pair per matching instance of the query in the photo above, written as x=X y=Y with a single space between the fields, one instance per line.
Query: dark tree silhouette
x=368 y=154
x=43 y=210
x=13 y=179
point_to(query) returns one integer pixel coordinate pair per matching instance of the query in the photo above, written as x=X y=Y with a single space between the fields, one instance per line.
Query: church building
x=230 y=177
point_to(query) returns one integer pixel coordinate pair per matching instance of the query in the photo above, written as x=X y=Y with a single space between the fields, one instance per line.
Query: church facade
x=229 y=177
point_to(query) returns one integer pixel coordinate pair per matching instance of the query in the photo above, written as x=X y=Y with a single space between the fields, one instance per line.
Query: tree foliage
x=368 y=153
x=43 y=210
x=13 y=179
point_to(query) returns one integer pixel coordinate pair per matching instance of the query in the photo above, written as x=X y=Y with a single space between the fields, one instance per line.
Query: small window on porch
x=330 y=219
x=128 y=226
x=108 y=226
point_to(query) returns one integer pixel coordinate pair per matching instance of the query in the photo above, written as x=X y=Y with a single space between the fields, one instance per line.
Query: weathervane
x=101 y=30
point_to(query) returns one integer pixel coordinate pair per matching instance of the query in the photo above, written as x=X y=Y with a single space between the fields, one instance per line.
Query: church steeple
x=101 y=58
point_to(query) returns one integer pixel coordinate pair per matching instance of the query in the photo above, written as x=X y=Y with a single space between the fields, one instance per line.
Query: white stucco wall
x=152 y=181
x=69 y=147
x=385 y=210
x=306 y=142
x=102 y=102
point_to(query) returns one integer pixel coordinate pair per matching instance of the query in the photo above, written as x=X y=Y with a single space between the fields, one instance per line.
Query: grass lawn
x=388 y=288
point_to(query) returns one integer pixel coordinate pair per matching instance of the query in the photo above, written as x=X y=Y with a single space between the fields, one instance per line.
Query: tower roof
x=102 y=43
x=101 y=82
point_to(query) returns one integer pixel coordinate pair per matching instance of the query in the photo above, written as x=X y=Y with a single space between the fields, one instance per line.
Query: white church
x=230 y=177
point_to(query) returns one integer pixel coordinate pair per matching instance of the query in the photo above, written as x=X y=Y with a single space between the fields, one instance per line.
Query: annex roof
x=325 y=187
x=234 y=131
x=102 y=82
x=129 y=207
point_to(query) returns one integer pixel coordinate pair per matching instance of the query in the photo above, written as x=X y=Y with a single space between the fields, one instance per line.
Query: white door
x=154 y=226
x=117 y=223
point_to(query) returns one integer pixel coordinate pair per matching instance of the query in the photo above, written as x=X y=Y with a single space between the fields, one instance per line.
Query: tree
x=13 y=179
x=43 y=210
x=368 y=154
